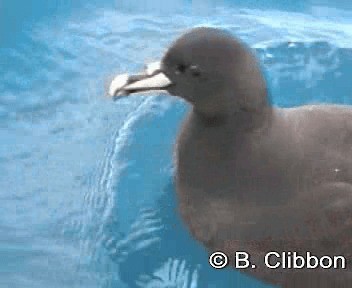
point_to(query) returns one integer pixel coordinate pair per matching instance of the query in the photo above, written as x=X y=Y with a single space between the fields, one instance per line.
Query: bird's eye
x=180 y=68
x=195 y=71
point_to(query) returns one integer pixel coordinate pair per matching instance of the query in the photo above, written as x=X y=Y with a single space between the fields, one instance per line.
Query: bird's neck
x=241 y=120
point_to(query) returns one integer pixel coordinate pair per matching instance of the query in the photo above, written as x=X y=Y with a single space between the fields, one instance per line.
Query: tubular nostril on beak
x=153 y=68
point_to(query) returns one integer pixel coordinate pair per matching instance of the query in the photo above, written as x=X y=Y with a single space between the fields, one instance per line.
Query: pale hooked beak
x=150 y=80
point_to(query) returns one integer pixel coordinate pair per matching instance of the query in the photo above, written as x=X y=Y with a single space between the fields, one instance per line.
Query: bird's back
x=324 y=134
x=247 y=196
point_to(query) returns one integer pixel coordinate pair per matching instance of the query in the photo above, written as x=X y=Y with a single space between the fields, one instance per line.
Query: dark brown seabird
x=251 y=177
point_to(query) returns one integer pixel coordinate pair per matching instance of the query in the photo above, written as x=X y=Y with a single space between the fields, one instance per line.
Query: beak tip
x=117 y=84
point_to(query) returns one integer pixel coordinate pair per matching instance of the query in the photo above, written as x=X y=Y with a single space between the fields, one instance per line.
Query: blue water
x=86 y=192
